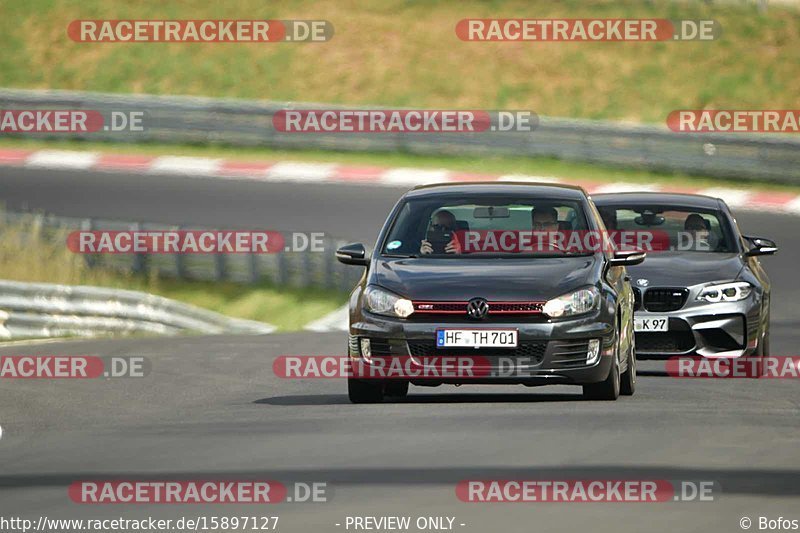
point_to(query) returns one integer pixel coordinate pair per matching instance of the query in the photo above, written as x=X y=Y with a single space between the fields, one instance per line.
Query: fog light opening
x=366 y=350
x=593 y=354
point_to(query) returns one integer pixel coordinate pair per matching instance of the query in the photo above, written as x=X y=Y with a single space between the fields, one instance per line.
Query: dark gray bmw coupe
x=470 y=272
x=706 y=293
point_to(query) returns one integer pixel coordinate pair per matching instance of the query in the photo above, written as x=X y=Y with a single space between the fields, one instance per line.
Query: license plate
x=476 y=338
x=650 y=323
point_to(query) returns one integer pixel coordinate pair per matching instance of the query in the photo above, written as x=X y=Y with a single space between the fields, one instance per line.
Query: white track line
x=62 y=159
x=301 y=172
x=203 y=166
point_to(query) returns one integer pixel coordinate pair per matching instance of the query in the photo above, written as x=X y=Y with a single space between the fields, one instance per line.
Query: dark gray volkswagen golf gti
x=472 y=272
x=706 y=293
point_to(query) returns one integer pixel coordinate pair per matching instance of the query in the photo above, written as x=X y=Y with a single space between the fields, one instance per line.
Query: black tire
x=607 y=390
x=761 y=353
x=361 y=391
x=396 y=389
x=628 y=379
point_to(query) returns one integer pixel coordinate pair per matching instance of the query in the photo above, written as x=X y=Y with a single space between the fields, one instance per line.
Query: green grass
x=489 y=165
x=33 y=257
x=405 y=53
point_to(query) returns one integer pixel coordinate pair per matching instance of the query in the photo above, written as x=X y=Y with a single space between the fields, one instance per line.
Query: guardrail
x=173 y=119
x=297 y=269
x=52 y=310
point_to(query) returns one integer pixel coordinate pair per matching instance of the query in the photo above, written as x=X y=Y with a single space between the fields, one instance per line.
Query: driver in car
x=443 y=221
x=698 y=227
x=544 y=219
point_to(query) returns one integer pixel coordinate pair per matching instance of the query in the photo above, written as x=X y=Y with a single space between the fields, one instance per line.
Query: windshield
x=688 y=229
x=482 y=226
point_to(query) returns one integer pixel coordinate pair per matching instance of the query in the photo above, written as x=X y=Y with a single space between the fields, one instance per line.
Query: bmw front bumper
x=723 y=329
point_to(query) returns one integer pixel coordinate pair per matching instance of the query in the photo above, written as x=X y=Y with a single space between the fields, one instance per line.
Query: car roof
x=657 y=198
x=548 y=190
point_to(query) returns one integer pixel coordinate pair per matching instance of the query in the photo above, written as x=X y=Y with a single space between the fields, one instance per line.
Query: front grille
x=380 y=347
x=567 y=354
x=460 y=308
x=440 y=307
x=662 y=300
x=637 y=299
x=515 y=307
x=678 y=339
x=532 y=350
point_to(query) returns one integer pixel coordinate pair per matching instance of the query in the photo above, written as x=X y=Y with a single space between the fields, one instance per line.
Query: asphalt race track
x=212 y=407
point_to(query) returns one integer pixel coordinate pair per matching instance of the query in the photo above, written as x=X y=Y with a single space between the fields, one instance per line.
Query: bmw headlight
x=726 y=292
x=382 y=302
x=575 y=303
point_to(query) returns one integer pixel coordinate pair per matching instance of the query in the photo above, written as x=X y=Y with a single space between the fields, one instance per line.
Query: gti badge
x=477 y=308
x=643 y=282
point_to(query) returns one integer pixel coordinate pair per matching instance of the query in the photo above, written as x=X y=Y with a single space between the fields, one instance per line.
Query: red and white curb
x=297 y=172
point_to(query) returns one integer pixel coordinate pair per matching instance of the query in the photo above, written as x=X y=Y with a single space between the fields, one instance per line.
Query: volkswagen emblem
x=477 y=308
x=643 y=282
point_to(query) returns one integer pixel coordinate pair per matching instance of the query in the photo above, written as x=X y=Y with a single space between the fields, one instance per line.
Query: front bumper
x=725 y=329
x=548 y=352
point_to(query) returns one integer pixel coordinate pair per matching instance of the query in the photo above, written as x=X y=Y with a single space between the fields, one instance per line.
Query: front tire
x=628 y=381
x=607 y=390
x=396 y=389
x=762 y=353
x=360 y=391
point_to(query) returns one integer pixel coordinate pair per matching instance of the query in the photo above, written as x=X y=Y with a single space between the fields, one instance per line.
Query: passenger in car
x=443 y=221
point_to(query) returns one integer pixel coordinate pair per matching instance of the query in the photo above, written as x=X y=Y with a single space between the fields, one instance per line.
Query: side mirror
x=761 y=246
x=353 y=254
x=627 y=258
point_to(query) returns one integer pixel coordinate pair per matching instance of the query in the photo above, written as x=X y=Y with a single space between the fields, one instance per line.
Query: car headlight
x=382 y=302
x=575 y=303
x=726 y=292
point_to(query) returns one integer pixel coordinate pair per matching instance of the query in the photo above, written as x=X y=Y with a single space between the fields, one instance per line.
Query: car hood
x=683 y=269
x=512 y=279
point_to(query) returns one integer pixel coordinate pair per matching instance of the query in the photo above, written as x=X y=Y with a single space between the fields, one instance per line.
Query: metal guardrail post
x=90 y=259
x=253 y=268
x=281 y=274
x=139 y=265
x=181 y=269
x=220 y=265
x=307 y=278
x=329 y=262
